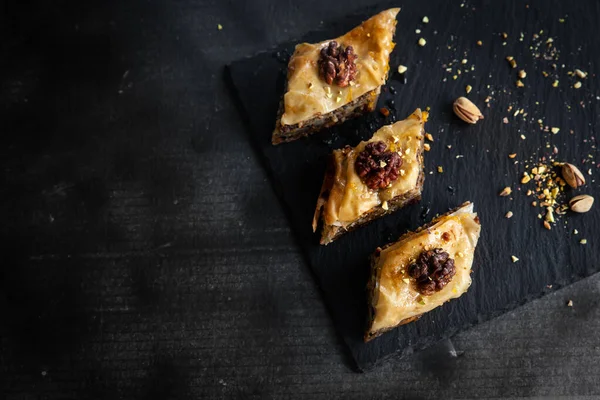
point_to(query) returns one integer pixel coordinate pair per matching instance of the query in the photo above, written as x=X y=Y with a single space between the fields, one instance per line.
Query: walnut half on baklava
x=373 y=179
x=334 y=80
x=422 y=270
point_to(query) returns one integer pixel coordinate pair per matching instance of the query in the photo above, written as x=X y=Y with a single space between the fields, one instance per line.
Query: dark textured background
x=144 y=253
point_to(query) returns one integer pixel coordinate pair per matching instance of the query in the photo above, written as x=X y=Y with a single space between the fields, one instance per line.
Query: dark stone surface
x=342 y=268
x=145 y=254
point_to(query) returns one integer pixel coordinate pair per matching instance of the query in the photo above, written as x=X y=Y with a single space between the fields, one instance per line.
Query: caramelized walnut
x=376 y=167
x=432 y=271
x=337 y=65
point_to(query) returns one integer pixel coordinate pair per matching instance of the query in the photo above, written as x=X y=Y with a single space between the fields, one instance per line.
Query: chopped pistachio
x=219 y=27
x=547 y=225
x=577 y=85
x=575 y=231
x=422 y=42
x=402 y=69
x=514 y=259
x=583 y=241
x=425 y=20
x=555 y=83
x=581 y=74
x=555 y=130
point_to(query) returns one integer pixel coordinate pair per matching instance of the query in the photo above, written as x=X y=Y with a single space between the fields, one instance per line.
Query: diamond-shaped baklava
x=374 y=178
x=334 y=80
x=422 y=270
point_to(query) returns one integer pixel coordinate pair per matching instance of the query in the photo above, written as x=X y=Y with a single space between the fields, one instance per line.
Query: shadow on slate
x=342 y=268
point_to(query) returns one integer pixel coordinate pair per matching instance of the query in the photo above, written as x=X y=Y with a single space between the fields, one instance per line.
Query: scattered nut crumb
x=520 y=83
x=425 y=20
x=513 y=155
x=522 y=74
x=384 y=111
x=468 y=88
x=505 y=120
x=583 y=241
x=402 y=69
x=580 y=73
x=547 y=225
x=577 y=85
x=514 y=259
x=422 y=42
x=384 y=205
x=427 y=147
x=570 y=303
x=479 y=43
x=555 y=130
x=506 y=191
x=555 y=83
x=575 y=231
x=509 y=214
x=440 y=169
x=429 y=137
x=219 y=26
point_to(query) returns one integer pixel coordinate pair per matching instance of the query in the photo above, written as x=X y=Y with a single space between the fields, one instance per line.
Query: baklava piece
x=373 y=179
x=338 y=79
x=422 y=270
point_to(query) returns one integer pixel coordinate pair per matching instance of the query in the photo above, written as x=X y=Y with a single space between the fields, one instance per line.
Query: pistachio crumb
x=575 y=231
x=577 y=85
x=580 y=73
x=547 y=225
x=425 y=20
x=570 y=303
x=219 y=27
x=468 y=88
x=514 y=259
x=406 y=280
x=555 y=83
x=555 y=130
x=402 y=69
x=422 y=42
x=583 y=241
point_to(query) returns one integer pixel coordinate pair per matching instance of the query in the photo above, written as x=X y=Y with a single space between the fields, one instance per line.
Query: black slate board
x=476 y=167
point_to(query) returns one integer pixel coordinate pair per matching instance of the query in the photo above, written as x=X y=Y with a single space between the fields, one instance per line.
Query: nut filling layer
x=337 y=65
x=432 y=271
x=376 y=167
